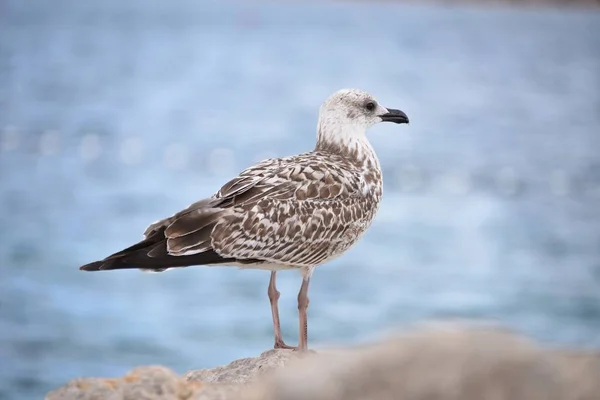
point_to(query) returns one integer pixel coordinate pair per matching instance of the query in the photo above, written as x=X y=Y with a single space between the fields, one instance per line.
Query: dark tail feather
x=94 y=266
x=152 y=255
x=141 y=260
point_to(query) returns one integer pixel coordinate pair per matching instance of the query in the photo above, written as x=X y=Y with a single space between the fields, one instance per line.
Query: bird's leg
x=274 y=299
x=302 y=307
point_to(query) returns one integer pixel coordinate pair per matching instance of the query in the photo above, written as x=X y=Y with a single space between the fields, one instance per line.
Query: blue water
x=113 y=115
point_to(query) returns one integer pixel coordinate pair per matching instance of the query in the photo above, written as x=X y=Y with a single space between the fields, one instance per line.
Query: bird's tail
x=153 y=256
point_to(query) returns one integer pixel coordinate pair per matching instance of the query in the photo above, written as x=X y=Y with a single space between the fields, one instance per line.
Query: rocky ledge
x=434 y=362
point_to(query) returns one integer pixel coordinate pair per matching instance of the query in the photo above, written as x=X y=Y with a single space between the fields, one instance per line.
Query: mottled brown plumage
x=283 y=213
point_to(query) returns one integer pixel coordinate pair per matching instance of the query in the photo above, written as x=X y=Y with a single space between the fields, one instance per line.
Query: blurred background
x=115 y=114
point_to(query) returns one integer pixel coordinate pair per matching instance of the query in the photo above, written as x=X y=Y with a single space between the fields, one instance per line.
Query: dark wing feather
x=166 y=241
x=187 y=237
x=140 y=260
x=152 y=254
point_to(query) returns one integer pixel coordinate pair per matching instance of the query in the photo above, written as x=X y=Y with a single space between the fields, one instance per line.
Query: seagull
x=288 y=213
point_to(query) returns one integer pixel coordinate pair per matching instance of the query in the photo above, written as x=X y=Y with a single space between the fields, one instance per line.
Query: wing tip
x=94 y=266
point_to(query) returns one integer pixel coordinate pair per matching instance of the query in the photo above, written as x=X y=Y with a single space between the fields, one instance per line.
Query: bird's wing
x=286 y=210
x=289 y=211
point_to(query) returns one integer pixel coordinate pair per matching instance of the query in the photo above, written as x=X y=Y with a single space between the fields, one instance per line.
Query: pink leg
x=274 y=299
x=302 y=307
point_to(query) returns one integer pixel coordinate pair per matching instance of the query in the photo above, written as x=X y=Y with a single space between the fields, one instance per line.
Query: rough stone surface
x=243 y=370
x=438 y=362
x=142 y=383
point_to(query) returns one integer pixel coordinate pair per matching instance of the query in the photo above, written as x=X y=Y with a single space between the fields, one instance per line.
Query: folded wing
x=286 y=210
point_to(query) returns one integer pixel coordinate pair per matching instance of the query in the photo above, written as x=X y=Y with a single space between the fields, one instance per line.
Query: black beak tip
x=396 y=116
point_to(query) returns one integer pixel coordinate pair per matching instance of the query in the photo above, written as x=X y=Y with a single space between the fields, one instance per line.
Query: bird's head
x=350 y=112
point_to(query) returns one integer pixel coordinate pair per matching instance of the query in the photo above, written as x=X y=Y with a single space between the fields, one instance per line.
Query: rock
x=243 y=370
x=154 y=382
x=442 y=363
x=228 y=381
x=142 y=383
x=428 y=365
x=581 y=371
x=439 y=362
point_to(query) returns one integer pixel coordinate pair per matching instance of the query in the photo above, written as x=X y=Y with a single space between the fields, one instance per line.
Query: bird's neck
x=348 y=142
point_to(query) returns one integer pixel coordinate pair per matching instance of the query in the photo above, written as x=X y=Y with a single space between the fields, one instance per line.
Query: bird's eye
x=370 y=106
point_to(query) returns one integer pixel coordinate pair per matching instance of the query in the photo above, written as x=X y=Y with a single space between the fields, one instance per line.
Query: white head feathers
x=347 y=114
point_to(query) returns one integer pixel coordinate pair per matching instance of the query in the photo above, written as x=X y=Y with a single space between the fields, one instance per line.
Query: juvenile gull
x=293 y=212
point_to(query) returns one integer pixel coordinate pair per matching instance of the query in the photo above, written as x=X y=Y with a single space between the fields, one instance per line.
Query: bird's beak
x=396 y=116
